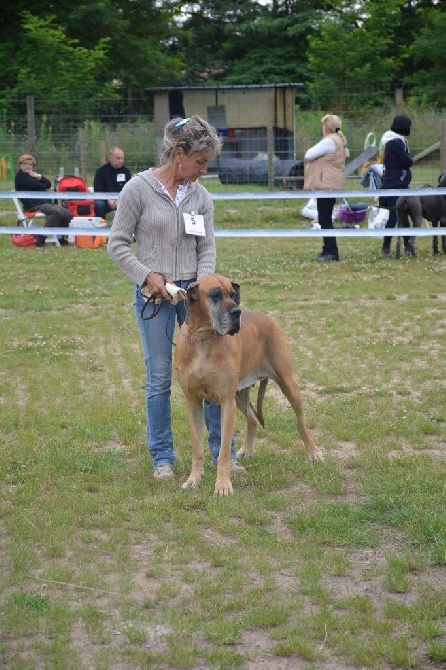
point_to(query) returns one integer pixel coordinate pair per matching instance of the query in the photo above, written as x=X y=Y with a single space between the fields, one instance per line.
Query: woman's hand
x=156 y=286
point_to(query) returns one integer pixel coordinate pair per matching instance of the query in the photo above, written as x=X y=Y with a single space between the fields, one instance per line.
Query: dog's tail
x=260 y=395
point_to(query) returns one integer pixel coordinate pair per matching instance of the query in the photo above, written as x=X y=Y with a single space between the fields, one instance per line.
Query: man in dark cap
x=397 y=162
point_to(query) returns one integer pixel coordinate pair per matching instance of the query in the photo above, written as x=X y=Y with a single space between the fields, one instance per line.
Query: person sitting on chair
x=110 y=178
x=27 y=179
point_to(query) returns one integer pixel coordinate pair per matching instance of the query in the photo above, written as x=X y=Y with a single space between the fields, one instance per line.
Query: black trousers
x=56 y=216
x=325 y=208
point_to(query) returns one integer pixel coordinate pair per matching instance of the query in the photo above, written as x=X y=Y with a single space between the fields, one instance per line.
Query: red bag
x=23 y=240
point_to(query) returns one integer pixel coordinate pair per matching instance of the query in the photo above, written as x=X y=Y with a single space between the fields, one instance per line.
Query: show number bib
x=194 y=224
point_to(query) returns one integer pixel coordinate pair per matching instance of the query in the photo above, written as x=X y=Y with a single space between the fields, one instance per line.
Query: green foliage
x=346 y=55
x=63 y=66
x=428 y=51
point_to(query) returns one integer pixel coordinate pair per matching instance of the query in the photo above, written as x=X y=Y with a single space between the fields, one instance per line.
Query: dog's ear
x=192 y=292
x=191 y=296
x=236 y=297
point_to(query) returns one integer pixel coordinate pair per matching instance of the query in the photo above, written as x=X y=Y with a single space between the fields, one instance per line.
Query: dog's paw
x=241 y=453
x=191 y=482
x=316 y=456
x=223 y=488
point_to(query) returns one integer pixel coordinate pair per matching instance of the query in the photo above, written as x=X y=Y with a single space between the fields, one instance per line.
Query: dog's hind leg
x=399 y=224
x=244 y=404
x=291 y=391
x=196 y=426
x=435 y=250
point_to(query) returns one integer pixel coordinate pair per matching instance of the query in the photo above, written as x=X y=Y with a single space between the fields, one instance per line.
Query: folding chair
x=30 y=219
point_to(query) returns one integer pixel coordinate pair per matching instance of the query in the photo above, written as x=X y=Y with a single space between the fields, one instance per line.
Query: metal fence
x=260 y=154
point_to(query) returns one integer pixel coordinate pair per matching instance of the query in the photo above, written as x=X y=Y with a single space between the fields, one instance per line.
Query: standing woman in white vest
x=325 y=171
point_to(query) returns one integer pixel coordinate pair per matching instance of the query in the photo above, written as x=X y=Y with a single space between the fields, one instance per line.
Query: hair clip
x=181 y=123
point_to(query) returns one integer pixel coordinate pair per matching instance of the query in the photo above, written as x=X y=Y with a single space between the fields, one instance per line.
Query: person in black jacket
x=27 y=179
x=397 y=174
x=110 y=178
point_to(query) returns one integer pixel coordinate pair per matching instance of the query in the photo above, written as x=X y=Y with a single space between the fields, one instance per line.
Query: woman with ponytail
x=325 y=171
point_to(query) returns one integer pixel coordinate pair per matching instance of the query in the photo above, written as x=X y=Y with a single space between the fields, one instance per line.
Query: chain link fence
x=251 y=143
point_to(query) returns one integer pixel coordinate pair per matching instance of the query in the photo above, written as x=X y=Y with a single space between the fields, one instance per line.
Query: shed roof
x=223 y=86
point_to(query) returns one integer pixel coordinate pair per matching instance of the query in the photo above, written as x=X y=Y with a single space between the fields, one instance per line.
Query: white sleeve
x=325 y=146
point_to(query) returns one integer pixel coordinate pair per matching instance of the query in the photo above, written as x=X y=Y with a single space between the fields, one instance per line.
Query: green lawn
x=328 y=566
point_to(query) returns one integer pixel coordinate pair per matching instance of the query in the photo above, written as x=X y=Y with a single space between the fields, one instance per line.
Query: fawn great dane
x=221 y=352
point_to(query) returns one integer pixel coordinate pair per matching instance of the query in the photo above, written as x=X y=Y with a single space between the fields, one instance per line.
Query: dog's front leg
x=196 y=427
x=223 y=484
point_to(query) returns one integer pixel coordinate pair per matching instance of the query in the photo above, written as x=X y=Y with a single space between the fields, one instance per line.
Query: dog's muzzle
x=234 y=313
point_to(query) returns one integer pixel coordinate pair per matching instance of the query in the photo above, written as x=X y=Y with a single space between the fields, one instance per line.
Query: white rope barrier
x=244 y=195
x=247 y=232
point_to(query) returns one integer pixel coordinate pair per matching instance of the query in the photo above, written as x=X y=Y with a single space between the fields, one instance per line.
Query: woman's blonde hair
x=26 y=157
x=193 y=135
x=334 y=125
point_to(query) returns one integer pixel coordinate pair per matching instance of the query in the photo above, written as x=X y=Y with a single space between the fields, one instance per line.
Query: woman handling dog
x=325 y=170
x=170 y=215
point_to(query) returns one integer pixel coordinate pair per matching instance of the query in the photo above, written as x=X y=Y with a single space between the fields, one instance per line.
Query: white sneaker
x=236 y=468
x=163 y=472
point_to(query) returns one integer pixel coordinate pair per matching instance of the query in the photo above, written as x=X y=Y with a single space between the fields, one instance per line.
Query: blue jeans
x=156 y=338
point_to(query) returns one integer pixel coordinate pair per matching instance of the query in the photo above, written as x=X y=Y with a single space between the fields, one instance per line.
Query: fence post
x=443 y=146
x=83 y=149
x=270 y=149
x=31 y=124
x=399 y=101
x=101 y=152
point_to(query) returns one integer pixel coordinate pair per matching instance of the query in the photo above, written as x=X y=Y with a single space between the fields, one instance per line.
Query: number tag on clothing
x=120 y=177
x=194 y=224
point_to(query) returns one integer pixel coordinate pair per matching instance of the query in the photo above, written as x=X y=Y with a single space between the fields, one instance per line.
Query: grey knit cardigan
x=148 y=215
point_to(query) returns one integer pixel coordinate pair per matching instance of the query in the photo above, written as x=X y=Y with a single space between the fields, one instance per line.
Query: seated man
x=110 y=178
x=27 y=179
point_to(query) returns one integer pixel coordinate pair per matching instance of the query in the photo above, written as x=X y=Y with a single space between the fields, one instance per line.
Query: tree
x=143 y=39
x=55 y=69
x=211 y=35
x=350 y=55
x=133 y=45
x=428 y=52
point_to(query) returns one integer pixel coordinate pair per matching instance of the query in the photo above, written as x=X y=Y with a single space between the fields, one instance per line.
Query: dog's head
x=216 y=300
x=442 y=180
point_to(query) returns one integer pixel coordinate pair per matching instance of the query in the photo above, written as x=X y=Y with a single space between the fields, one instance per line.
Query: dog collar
x=196 y=339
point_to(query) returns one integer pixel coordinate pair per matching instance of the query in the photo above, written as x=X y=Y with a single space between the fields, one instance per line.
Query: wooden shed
x=252 y=118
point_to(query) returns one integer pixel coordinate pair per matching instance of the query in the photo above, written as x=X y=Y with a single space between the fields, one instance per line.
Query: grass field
x=329 y=566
